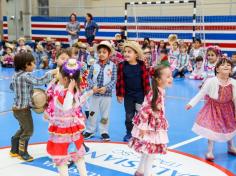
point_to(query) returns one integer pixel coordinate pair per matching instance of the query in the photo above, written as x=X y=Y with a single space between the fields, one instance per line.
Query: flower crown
x=71 y=67
x=216 y=49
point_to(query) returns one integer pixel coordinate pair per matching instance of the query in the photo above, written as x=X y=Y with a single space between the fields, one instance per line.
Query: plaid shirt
x=120 y=84
x=100 y=79
x=22 y=84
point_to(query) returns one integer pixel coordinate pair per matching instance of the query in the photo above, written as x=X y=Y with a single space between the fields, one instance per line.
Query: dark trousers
x=24 y=117
x=132 y=105
x=90 y=39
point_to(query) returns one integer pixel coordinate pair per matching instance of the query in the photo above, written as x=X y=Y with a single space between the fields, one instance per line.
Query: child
x=216 y=120
x=39 y=55
x=149 y=134
x=22 y=84
x=49 y=47
x=196 y=51
x=66 y=119
x=118 y=40
x=198 y=71
x=164 y=58
x=182 y=62
x=132 y=83
x=55 y=54
x=213 y=53
x=233 y=58
x=153 y=51
x=147 y=56
x=161 y=45
x=21 y=45
x=8 y=58
x=92 y=57
x=102 y=78
x=173 y=55
x=82 y=54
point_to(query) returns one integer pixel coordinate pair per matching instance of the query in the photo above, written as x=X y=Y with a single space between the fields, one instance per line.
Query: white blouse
x=211 y=88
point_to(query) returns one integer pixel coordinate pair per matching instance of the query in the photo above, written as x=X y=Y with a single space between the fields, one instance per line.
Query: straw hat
x=107 y=44
x=91 y=49
x=8 y=45
x=39 y=47
x=49 y=39
x=81 y=45
x=39 y=100
x=28 y=48
x=172 y=38
x=21 y=38
x=57 y=43
x=118 y=36
x=135 y=46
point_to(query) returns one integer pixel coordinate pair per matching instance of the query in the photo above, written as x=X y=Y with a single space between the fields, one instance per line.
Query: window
x=43 y=9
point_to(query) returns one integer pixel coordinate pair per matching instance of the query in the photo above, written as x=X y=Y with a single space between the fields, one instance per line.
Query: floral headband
x=72 y=66
x=215 y=49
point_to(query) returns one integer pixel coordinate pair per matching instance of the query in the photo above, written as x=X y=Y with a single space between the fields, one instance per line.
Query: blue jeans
x=176 y=72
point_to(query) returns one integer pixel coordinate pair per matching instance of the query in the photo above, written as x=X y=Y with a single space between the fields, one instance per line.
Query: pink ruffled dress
x=155 y=125
x=65 y=124
x=216 y=120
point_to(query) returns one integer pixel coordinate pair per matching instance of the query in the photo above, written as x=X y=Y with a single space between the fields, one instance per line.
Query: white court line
x=185 y=142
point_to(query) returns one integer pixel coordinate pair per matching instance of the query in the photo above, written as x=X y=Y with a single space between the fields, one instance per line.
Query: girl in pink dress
x=66 y=120
x=216 y=121
x=149 y=134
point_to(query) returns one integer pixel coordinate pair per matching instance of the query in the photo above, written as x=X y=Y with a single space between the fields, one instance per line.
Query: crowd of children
x=83 y=79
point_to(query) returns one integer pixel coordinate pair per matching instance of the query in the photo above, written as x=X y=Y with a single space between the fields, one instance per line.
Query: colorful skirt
x=216 y=120
x=152 y=142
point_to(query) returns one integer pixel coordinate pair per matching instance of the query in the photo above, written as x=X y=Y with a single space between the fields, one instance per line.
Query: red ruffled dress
x=66 y=123
x=155 y=125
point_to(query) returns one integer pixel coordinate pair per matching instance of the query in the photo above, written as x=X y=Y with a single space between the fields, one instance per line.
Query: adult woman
x=73 y=28
x=90 y=29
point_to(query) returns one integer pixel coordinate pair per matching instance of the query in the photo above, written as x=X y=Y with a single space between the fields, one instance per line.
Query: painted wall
x=217 y=29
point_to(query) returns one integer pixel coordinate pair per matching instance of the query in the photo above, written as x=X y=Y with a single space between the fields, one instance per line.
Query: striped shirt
x=22 y=85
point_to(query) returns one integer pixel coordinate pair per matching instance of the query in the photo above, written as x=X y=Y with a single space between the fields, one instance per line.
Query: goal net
x=157 y=20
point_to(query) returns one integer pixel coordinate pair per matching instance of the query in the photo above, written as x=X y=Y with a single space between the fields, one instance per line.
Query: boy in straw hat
x=49 y=47
x=132 y=83
x=22 y=85
x=21 y=44
x=102 y=78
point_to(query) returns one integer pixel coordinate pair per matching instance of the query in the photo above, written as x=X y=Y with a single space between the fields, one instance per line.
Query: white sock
x=148 y=165
x=63 y=170
x=210 y=146
x=231 y=145
x=81 y=167
x=141 y=163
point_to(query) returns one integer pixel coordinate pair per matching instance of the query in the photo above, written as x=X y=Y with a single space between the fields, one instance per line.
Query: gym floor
x=180 y=135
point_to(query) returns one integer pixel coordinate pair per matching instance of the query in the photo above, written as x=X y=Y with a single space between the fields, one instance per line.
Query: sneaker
x=13 y=154
x=70 y=164
x=88 y=135
x=25 y=156
x=127 y=137
x=105 y=137
x=209 y=156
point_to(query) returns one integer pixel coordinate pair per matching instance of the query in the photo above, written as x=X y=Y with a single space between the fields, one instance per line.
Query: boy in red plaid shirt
x=132 y=83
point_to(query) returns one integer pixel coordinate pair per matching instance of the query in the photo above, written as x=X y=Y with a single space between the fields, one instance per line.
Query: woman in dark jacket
x=91 y=28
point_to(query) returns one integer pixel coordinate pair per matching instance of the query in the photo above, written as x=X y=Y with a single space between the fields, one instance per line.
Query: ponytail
x=155 y=94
